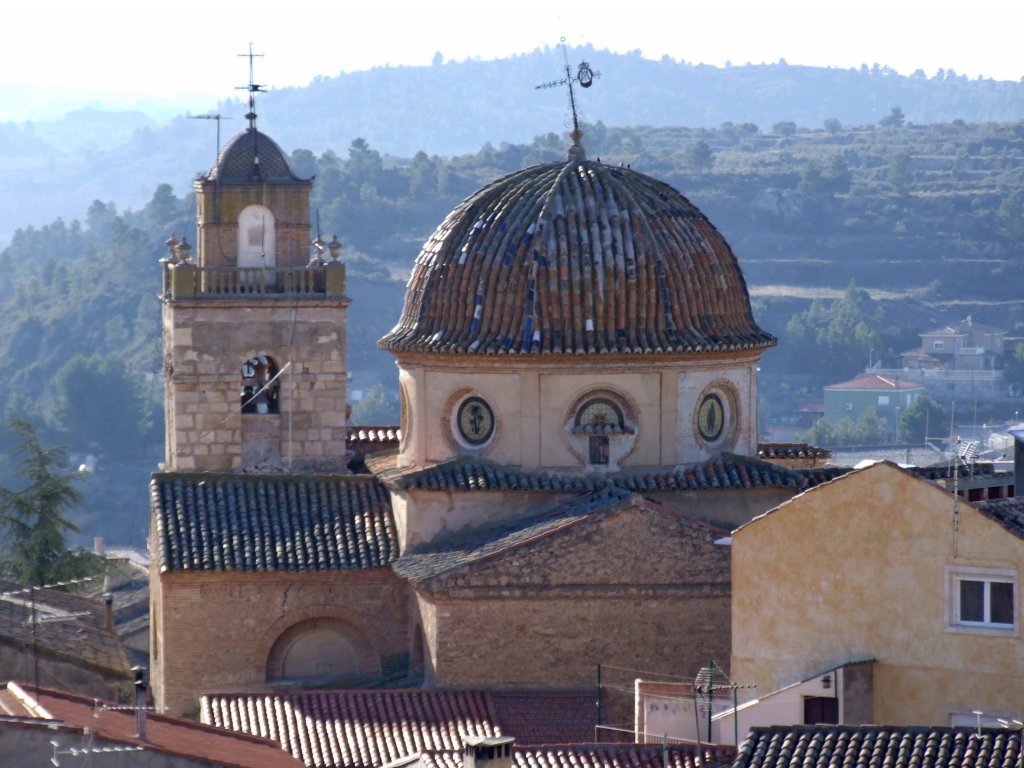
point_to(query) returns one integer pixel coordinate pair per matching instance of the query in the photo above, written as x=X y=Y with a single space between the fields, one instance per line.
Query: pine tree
x=34 y=518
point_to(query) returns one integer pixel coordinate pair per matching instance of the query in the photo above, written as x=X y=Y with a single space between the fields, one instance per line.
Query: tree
x=900 y=172
x=833 y=125
x=784 y=128
x=895 y=118
x=34 y=517
x=922 y=416
x=101 y=405
x=374 y=408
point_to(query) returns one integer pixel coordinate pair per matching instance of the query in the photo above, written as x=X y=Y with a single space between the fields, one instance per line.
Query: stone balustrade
x=185 y=280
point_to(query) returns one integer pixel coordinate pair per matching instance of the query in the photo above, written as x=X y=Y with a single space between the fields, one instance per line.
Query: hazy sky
x=185 y=50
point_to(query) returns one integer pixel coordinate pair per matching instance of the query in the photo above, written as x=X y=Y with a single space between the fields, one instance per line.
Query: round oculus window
x=475 y=421
x=711 y=417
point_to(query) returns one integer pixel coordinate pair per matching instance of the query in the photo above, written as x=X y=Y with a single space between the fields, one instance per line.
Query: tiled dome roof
x=576 y=257
x=237 y=162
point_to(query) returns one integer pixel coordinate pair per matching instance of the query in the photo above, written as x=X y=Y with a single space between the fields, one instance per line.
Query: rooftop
x=574 y=258
x=163 y=734
x=368 y=729
x=271 y=522
x=829 y=746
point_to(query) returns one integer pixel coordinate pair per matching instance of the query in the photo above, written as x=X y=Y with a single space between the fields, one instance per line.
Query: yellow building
x=880 y=564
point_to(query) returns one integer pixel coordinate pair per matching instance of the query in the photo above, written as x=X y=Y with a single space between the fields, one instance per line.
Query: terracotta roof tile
x=68 y=627
x=583 y=755
x=271 y=522
x=576 y=258
x=356 y=729
x=791 y=451
x=373 y=438
x=828 y=746
x=421 y=566
x=475 y=474
x=1009 y=513
x=546 y=717
x=164 y=735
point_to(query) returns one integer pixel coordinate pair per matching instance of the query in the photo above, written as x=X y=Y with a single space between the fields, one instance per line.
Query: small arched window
x=598 y=419
x=259 y=389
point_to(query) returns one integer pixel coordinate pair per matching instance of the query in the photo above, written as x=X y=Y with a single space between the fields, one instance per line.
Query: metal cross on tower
x=584 y=76
x=253 y=88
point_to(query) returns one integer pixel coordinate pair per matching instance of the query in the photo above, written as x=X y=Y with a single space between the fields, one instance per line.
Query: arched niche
x=321 y=651
x=257 y=241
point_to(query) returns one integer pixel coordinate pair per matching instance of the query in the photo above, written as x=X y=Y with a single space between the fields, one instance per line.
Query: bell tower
x=253 y=326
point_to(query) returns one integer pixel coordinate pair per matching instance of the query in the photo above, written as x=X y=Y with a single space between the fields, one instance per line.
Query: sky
x=63 y=54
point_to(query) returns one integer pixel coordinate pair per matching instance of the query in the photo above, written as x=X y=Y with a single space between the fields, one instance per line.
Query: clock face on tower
x=475 y=421
x=711 y=417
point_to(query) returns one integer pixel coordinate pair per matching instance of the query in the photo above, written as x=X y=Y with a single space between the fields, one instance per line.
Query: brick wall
x=640 y=587
x=215 y=631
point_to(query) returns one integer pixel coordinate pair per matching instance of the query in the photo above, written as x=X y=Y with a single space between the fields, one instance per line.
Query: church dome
x=576 y=258
x=251 y=157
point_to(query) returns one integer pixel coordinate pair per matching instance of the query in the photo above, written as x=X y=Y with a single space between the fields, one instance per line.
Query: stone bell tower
x=253 y=327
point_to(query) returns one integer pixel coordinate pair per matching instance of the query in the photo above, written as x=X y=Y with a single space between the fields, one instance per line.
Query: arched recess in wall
x=319 y=651
x=257 y=241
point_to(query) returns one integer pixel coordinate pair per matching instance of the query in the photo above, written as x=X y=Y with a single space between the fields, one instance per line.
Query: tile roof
x=271 y=522
x=791 y=451
x=68 y=627
x=372 y=438
x=467 y=473
x=356 y=729
x=1009 y=513
x=421 y=566
x=576 y=258
x=366 y=729
x=831 y=746
x=546 y=716
x=164 y=735
x=583 y=755
x=874 y=382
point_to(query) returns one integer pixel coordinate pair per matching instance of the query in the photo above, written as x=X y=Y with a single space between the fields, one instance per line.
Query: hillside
x=56 y=168
x=928 y=218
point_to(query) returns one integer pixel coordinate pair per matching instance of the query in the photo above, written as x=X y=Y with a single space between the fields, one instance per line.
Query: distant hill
x=57 y=168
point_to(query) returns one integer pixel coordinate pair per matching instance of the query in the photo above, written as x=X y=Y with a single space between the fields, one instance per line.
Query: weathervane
x=584 y=76
x=252 y=88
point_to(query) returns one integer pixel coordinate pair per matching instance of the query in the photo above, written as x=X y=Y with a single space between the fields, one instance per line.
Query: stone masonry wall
x=216 y=630
x=639 y=587
x=218 y=229
x=206 y=344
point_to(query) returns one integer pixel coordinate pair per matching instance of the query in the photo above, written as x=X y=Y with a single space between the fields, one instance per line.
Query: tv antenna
x=253 y=88
x=218 y=117
x=585 y=76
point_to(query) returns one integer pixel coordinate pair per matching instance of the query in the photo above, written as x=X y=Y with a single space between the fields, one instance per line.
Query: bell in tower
x=253 y=327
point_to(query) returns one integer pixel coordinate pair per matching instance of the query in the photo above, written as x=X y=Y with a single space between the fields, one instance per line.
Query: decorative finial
x=172 y=247
x=585 y=77
x=252 y=88
x=335 y=248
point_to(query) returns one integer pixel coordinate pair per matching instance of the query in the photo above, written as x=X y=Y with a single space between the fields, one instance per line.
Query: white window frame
x=883 y=399
x=938 y=344
x=955 y=574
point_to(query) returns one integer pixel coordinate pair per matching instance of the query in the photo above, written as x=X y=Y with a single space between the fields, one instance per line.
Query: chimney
x=97 y=546
x=108 y=601
x=140 y=702
x=488 y=751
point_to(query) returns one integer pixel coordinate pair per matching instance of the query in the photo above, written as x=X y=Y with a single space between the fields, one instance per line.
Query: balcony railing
x=184 y=280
